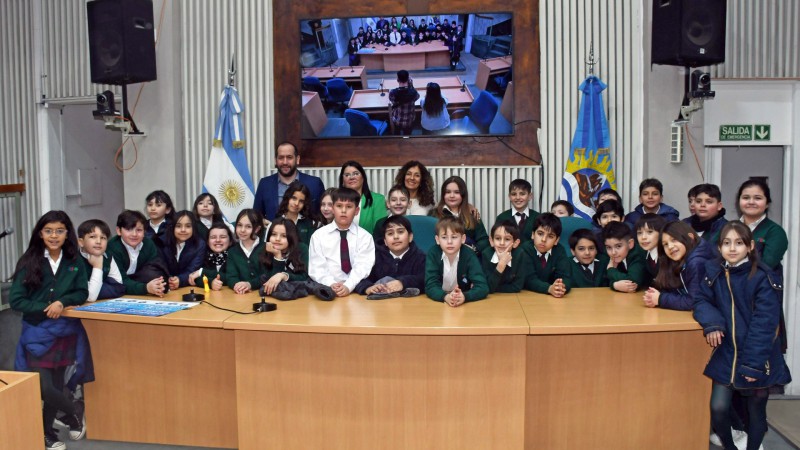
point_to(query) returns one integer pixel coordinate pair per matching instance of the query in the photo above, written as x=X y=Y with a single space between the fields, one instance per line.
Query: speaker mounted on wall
x=121 y=41
x=689 y=33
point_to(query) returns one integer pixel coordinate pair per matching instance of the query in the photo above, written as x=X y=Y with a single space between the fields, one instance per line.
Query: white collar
x=403 y=254
x=755 y=224
x=136 y=249
x=495 y=259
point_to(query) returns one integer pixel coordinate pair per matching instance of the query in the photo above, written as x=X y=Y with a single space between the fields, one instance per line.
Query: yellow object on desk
x=205 y=284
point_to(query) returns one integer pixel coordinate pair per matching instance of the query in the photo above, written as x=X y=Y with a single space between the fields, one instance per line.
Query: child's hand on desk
x=156 y=286
x=394 y=286
x=216 y=283
x=454 y=298
x=376 y=289
x=340 y=289
x=625 y=286
x=174 y=283
x=557 y=289
x=651 y=298
x=241 y=287
x=274 y=281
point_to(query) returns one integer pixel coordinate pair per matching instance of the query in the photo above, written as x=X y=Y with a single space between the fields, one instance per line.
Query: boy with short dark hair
x=132 y=252
x=453 y=273
x=105 y=278
x=608 y=211
x=399 y=269
x=650 y=198
x=520 y=195
x=562 y=208
x=341 y=254
x=550 y=274
x=626 y=271
x=709 y=215
x=505 y=264
x=648 y=229
x=403 y=102
x=587 y=267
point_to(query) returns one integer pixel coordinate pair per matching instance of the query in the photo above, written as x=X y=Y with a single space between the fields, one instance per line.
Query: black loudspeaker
x=688 y=33
x=121 y=41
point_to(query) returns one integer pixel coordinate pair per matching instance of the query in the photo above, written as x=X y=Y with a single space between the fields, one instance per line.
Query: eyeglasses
x=351 y=174
x=59 y=231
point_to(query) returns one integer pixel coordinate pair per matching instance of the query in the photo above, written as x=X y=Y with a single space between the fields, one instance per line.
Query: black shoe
x=51 y=442
x=76 y=422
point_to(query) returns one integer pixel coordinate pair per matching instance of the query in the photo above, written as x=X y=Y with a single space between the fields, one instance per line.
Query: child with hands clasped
x=105 y=279
x=626 y=271
x=505 y=264
x=550 y=274
x=184 y=249
x=684 y=256
x=453 y=273
x=49 y=277
x=242 y=266
x=738 y=305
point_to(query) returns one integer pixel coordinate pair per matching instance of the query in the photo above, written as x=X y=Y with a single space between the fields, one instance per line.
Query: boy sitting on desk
x=626 y=267
x=550 y=274
x=341 y=254
x=453 y=273
x=399 y=264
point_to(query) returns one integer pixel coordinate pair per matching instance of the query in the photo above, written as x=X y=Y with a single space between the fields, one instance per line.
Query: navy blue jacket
x=712 y=234
x=36 y=340
x=266 y=201
x=411 y=271
x=692 y=273
x=747 y=310
x=192 y=258
x=665 y=211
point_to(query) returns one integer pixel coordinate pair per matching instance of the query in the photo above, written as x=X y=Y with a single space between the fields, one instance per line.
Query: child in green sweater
x=452 y=271
x=132 y=252
x=505 y=264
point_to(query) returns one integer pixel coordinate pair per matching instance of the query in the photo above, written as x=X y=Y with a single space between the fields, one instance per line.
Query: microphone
x=331 y=67
x=351 y=69
x=463 y=85
x=383 y=94
x=6 y=232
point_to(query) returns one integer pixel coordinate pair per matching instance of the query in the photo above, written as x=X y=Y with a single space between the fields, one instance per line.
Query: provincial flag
x=588 y=169
x=228 y=176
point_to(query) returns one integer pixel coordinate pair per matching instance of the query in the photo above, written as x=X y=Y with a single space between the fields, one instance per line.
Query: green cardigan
x=149 y=252
x=771 y=241
x=541 y=278
x=305 y=228
x=241 y=268
x=637 y=269
x=69 y=285
x=599 y=278
x=527 y=231
x=370 y=215
x=280 y=266
x=513 y=278
x=470 y=275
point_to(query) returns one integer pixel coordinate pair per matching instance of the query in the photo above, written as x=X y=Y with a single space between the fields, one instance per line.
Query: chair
x=424 y=229
x=361 y=125
x=503 y=79
x=479 y=117
x=314 y=85
x=568 y=226
x=338 y=91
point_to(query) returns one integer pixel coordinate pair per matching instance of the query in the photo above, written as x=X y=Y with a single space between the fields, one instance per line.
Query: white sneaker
x=714 y=439
x=739 y=439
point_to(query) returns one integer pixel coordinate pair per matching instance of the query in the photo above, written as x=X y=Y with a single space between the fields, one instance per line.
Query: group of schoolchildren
x=727 y=272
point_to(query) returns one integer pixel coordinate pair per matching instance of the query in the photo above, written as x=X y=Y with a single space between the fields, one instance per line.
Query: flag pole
x=232 y=70
x=590 y=61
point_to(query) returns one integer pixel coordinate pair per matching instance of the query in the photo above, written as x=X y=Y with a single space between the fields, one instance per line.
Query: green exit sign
x=745 y=132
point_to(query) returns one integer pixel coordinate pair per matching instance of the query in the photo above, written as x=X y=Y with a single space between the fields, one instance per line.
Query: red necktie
x=344 y=252
x=543 y=259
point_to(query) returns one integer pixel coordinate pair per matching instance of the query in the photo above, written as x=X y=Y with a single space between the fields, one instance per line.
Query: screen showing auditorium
x=411 y=76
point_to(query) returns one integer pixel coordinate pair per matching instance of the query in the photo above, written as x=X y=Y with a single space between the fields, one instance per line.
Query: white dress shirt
x=324 y=260
x=415 y=209
x=54 y=264
x=96 y=277
x=133 y=255
x=394 y=38
x=449 y=272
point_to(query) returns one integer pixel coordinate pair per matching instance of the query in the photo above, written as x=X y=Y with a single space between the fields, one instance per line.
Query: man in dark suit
x=271 y=189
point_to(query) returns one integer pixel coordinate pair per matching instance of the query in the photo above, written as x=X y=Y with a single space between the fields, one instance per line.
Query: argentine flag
x=227 y=176
x=588 y=170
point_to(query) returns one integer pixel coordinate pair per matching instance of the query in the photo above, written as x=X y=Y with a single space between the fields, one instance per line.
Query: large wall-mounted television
x=350 y=65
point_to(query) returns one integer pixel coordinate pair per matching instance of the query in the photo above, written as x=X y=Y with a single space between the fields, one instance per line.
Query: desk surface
x=326 y=73
x=499 y=315
x=500 y=63
x=201 y=316
x=424 y=47
x=599 y=311
x=422 y=82
x=370 y=99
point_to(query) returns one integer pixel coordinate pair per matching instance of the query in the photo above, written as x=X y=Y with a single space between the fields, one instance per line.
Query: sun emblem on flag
x=231 y=193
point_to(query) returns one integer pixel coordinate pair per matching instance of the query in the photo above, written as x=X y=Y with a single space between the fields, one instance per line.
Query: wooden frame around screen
x=394 y=151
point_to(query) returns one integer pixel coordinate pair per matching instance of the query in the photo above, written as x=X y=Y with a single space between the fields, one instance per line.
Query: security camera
x=700 y=85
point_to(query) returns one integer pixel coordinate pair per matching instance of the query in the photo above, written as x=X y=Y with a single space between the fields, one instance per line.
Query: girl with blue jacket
x=184 y=250
x=739 y=307
x=679 y=276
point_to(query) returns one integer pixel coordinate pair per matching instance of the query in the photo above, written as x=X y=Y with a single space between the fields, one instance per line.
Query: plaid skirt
x=61 y=354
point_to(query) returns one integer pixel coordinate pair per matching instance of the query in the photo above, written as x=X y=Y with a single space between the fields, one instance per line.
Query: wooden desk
x=605 y=372
x=314 y=117
x=391 y=374
x=507 y=105
x=488 y=67
x=20 y=411
x=370 y=100
x=167 y=380
x=408 y=57
x=422 y=82
x=352 y=75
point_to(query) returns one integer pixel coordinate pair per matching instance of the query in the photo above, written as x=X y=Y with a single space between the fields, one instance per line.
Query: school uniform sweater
x=191 y=258
x=305 y=228
x=469 y=275
x=527 y=230
x=69 y=285
x=557 y=266
x=240 y=267
x=410 y=270
x=116 y=249
x=599 y=276
x=279 y=266
x=513 y=277
x=635 y=269
x=110 y=288
x=210 y=271
x=771 y=243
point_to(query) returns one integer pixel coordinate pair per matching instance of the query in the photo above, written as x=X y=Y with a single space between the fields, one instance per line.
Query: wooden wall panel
x=390 y=151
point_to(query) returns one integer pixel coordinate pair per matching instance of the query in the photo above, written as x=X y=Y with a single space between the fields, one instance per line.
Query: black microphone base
x=192 y=297
x=264 y=307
